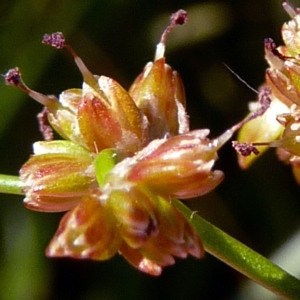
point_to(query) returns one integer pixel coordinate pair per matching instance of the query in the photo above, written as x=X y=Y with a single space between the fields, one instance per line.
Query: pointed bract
x=126 y=155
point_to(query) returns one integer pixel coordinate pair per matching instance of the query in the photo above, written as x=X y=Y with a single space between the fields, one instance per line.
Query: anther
x=58 y=41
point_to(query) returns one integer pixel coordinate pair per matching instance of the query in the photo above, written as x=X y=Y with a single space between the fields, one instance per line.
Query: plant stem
x=10 y=185
x=243 y=259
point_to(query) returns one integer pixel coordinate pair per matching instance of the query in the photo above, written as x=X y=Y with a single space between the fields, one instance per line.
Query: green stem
x=10 y=185
x=242 y=258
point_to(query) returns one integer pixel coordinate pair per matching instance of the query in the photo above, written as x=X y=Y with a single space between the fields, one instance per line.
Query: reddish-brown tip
x=13 y=77
x=56 y=40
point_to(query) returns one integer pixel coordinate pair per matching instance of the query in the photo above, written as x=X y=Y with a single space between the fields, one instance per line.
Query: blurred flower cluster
x=280 y=126
x=124 y=156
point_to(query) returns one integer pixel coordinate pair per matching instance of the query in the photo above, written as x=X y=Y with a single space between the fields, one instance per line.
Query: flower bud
x=57 y=176
x=174 y=238
x=159 y=93
x=135 y=210
x=88 y=231
x=179 y=166
x=108 y=118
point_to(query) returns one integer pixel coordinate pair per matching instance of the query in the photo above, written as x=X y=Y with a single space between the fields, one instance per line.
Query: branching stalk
x=10 y=184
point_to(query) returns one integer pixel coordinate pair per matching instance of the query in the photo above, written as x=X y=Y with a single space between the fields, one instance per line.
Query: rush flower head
x=99 y=172
x=279 y=126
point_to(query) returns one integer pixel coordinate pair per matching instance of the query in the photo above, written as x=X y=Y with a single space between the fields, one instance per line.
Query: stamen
x=178 y=18
x=264 y=101
x=58 y=41
x=13 y=77
x=245 y=149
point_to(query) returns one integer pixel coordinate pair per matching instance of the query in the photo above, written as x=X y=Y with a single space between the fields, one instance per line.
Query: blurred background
x=116 y=38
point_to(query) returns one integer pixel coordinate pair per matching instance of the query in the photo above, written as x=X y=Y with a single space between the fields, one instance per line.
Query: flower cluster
x=124 y=156
x=280 y=126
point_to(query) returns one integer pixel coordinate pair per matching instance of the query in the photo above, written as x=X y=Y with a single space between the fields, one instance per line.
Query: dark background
x=259 y=206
